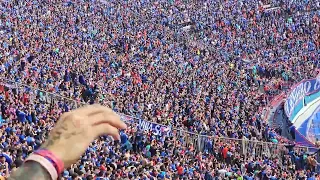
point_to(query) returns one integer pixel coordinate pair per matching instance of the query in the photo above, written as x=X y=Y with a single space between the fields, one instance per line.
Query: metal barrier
x=202 y=143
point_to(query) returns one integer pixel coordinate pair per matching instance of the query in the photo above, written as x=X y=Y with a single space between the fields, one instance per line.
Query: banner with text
x=156 y=129
x=296 y=98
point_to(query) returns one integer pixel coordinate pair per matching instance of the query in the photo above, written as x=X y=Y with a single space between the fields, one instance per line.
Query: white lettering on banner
x=299 y=92
x=144 y=125
x=157 y=129
x=317 y=84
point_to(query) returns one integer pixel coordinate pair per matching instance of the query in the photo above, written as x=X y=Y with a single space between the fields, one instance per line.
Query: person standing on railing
x=69 y=139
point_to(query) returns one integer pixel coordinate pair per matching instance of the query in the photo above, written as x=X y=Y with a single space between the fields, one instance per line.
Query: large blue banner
x=295 y=100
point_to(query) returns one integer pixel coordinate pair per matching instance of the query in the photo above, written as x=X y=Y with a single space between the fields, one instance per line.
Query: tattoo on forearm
x=65 y=130
x=30 y=171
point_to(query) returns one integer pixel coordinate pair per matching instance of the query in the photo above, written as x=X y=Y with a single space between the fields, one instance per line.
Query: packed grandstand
x=193 y=80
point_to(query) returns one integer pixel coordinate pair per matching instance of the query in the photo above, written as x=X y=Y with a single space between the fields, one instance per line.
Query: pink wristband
x=45 y=163
x=58 y=164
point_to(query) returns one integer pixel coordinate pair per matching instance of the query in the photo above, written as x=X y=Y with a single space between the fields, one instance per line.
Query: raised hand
x=75 y=130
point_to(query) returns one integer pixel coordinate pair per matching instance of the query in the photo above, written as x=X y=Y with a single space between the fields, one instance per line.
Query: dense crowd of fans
x=205 y=67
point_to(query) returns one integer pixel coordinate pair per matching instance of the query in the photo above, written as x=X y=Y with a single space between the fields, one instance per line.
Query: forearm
x=7 y=172
x=30 y=171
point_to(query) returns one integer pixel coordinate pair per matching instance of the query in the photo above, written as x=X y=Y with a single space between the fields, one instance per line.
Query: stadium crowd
x=206 y=67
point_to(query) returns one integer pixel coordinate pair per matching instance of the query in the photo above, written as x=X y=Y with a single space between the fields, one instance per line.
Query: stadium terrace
x=192 y=79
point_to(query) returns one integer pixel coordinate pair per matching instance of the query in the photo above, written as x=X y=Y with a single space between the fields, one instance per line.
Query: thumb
x=106 y=128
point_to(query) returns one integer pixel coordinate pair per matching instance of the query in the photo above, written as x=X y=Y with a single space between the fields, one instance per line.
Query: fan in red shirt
x=225 y=152
x=180 y=170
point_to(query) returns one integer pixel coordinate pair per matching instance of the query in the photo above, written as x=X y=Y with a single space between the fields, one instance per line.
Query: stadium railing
x=203 y=143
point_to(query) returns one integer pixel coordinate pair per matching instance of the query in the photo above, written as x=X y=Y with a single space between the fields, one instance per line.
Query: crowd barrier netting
x=200 y=143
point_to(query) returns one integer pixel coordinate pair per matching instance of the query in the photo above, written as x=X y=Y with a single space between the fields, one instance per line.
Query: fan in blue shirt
x=21 y=116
